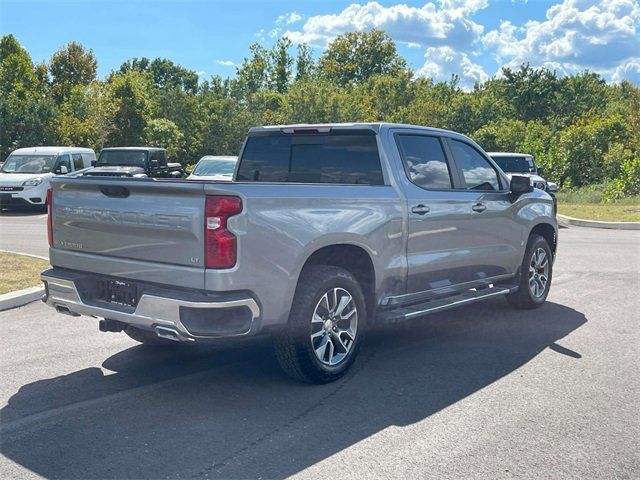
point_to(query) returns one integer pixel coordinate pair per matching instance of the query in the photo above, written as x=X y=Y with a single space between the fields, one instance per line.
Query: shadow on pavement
x=228 y=412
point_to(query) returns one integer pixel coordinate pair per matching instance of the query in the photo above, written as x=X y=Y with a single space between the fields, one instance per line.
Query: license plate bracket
x=118 y=292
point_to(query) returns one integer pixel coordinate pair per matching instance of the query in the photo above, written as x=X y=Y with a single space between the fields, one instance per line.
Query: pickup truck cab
x=25 y=175
x=325 y=231
x=136 y=162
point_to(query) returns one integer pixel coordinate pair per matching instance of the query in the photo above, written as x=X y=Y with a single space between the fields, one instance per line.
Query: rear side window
x=77 y=161
x=346 y=159
x=424 y=161
x=477 y=172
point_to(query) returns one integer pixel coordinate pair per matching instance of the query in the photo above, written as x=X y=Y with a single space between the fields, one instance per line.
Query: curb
x=578 y=222
x=21 y=297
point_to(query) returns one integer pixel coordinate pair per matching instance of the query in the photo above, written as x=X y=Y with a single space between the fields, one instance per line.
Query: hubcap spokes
x=333 y=326
x=538 y=272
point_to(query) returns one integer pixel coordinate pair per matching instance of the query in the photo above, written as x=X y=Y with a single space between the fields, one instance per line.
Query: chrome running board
x=436 y=305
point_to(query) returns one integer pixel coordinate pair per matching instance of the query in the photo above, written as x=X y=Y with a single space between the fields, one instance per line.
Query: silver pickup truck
x=325 y=230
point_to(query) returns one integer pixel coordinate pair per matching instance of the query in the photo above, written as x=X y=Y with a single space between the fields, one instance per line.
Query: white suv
x=24 y=177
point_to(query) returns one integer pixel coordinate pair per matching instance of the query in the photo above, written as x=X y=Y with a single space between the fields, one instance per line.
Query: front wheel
x=325 y=328
x=535 y=275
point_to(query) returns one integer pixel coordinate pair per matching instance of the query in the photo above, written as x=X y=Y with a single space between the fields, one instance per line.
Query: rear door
x=439 y=247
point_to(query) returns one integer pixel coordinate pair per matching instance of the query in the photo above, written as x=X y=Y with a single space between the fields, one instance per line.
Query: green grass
x=587 y=203
x=606 y=212
x=19 y=271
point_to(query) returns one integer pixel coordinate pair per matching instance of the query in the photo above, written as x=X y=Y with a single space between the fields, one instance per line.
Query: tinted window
x=77 y=161
x=160 y=157
x=515 y=164
x=349 y=159
x=477 y=172
x=425 y=161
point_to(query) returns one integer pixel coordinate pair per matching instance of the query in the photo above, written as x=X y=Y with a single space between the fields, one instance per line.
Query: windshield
x=126 y=158
x=215 y=167
x=515 y=164
x=29 y=164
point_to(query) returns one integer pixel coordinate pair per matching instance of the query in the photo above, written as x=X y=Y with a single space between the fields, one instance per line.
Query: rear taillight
x=220 y=248
x=49 y=202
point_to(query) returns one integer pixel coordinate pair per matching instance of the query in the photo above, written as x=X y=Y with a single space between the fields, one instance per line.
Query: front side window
x=29 y=164
x=477 y=172
x=64 y=161
x=424 y=161
x=333 y=158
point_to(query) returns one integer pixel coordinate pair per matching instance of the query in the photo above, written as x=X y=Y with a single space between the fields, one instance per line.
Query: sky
x=469 y=38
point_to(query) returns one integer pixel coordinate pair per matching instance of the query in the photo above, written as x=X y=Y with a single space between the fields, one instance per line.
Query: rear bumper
x=176 y=314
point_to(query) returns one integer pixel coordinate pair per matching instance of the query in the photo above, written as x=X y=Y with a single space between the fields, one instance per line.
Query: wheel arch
x=353 y=258
x=549 y=233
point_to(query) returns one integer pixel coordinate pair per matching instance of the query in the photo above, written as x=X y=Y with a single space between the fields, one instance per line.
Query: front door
x=447 y=245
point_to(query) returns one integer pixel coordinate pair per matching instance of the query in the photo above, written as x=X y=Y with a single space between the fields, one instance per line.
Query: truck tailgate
x=140 y=220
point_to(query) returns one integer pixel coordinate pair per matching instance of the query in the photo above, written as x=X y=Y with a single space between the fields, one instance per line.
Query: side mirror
x=552 y=187
x=540 y=171
x=61 y=170
x=153 y=163
x=94 y=163
x=520 y=184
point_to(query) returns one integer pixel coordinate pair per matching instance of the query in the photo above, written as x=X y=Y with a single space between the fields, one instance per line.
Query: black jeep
x=137 y=162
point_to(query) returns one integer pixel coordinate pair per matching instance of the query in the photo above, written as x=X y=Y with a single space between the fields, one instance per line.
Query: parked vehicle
x=214 y=168
x=25 y=174
x=523 y=164
x=135 y=162
x=325 y=231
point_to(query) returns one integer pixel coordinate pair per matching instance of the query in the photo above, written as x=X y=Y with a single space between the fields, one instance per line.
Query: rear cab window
x=339 y=157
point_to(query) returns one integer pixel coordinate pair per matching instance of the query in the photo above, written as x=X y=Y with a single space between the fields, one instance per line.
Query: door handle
x=420 y=209
x=479 y=207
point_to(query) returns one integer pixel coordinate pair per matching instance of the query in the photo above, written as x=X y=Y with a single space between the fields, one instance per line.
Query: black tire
x=525 y=298
x=147 y=337
x=294 y=347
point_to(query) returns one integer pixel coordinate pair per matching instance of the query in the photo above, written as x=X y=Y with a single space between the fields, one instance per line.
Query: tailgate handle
x=113 y=191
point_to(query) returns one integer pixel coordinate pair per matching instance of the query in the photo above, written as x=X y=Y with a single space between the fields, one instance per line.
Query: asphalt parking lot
x=479 y=392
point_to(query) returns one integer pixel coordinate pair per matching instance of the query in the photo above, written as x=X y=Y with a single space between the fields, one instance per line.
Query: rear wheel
x=535 y=277
x=325 y=327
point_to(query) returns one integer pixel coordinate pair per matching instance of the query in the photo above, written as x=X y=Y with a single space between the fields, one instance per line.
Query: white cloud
x=629 y=70
x=288 y=18
x=430 y=25
x=599 y=35
x=443 y=62
x=227 y=63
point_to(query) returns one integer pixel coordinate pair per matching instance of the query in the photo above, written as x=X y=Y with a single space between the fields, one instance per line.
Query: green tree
x=161 y=132
x=26 y=113
x=133 y=106
x=356 y=56
x=532 y=92
x=252 y=75
x=70 y=66
x=305 y=66
x=280 y=64
x=164 y=73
